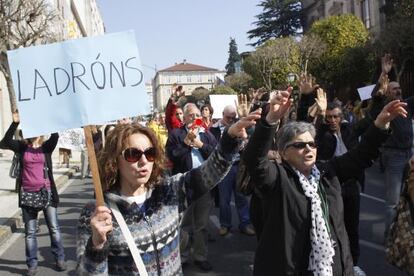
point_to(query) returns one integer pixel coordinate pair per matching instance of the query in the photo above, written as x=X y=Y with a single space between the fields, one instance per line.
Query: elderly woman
x=304 y=232
x=133 y=179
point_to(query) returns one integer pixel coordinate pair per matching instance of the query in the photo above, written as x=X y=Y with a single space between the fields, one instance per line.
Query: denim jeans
x=227 y=187
x=194 y=223
x=394 y=164
x=30 y=222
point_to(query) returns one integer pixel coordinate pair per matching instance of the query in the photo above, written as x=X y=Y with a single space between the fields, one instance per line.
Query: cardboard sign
x=80 y=82
x=219 y=102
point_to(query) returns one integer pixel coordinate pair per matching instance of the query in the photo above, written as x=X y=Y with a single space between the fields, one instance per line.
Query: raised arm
x=356 y=160
x=8 y=142
x=255 y=157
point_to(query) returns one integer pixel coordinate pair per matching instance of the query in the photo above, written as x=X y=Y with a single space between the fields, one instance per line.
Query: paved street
x=231 y=255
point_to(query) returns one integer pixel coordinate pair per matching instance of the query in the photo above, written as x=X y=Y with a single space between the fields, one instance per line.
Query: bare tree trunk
x=12 y=96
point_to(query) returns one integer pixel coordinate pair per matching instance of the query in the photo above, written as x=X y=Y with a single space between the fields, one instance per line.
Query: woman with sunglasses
x=131 y=168
x=304 y=232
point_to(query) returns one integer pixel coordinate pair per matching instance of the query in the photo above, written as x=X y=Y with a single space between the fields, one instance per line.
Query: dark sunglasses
x=302 y=145
x=132 y=155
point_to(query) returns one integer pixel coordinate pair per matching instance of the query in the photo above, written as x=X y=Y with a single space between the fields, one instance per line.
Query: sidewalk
x=10 y=214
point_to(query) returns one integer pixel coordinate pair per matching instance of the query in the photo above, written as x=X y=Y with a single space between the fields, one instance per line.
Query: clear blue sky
x=169 y=31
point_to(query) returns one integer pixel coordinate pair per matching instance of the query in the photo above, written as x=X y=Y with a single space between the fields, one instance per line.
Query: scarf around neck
x=322 y=251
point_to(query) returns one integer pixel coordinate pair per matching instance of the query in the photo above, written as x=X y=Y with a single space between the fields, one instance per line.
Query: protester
x=396 y=151
x=335 y=137
x=206 y=115
x=187 y=148
x=173 y=118
x=304 y=231
x=132 y=176
x=36 y=173
x=227 y=186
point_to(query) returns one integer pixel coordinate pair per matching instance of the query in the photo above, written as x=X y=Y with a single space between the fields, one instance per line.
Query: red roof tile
x=187 y=67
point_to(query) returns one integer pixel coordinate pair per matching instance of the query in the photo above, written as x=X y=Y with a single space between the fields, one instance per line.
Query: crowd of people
x=304 y=161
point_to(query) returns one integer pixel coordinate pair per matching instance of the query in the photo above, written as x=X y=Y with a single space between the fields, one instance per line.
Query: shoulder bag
x=399 y=245
x=37 y=200
x=15 y=167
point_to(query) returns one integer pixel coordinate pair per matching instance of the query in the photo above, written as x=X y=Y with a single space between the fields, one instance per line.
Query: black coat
x=284 y=246
x=20 y=147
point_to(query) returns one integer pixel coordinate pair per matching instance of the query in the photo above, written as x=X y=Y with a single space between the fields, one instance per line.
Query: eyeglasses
x=302 y=145
x=132 y=155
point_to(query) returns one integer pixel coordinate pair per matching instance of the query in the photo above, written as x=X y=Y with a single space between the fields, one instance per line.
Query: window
x=189 y=78
x=365 y=12
x=200 y=78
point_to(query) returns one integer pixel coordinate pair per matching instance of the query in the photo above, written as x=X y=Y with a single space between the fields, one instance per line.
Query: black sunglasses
x=302 y=145
x=132 y=155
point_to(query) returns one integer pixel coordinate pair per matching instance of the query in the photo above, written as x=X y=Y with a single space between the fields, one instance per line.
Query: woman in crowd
x=303 y=231
x=151 y=204
x=206 y=115
x=36 y=173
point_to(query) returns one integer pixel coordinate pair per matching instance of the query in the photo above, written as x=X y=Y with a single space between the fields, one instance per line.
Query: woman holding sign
x=149 y=203
x=37 y=192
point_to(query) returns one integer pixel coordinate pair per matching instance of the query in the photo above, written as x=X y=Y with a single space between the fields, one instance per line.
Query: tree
x=233 y=57
x=340 y=34
x=223 y=90
x=280 y=18
x=397 y=37
x=271 y=63
x=200 y=93
x=311 y=48
x=23 y=23
x=239 y=81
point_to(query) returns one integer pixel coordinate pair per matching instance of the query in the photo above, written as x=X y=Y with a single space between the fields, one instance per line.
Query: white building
x=190 y=76
x=149 y=90
x=76 y=18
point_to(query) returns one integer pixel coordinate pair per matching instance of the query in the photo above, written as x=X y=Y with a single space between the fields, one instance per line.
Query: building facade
x=190 y=76
x=367 y=10
x=149 y=91
x=76 y=19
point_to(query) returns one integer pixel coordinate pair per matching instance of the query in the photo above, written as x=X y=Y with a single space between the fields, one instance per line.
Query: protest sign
x=218 y=102
x=365 y=92
x=72 y=139
x=79 y=82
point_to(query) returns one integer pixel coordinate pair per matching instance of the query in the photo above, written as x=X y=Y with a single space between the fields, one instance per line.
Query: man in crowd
x=334 y=138
x=187 y=147
x=227 y=186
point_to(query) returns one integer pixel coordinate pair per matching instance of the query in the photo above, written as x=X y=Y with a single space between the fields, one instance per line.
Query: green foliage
x=233 y=57
x=240 y=82
x=280 y=18
x=270 y=64
x=397 y=38
x=345 y=37
x=223 y=90
x=200 y=93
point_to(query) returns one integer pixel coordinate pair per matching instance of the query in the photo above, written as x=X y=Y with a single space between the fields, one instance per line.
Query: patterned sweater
x=155 y=224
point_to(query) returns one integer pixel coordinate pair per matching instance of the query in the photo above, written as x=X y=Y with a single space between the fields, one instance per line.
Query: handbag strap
x=129 y=239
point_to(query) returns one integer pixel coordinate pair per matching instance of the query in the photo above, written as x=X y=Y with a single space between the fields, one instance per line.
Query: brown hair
x=115 y=143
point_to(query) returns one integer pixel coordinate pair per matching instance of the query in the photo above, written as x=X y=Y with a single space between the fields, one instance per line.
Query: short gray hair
x=188 y=106
x=290 y=130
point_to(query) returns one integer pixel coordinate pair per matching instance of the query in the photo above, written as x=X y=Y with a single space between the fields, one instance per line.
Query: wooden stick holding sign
x=94 y=166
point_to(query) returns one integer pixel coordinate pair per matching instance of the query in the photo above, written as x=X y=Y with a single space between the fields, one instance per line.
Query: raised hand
x=306 y=83
x=243 y=106
x=390 y=112
x=16 y=117
x=383 y=83
x=238 y=129
x=321 y=101
x=386 y=63
x=279 y=105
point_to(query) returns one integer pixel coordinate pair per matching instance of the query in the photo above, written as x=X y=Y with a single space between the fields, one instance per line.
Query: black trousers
x=351 y=200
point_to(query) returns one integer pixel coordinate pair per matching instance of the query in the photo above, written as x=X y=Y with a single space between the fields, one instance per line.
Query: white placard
x=219 y=102
x=365 y=92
